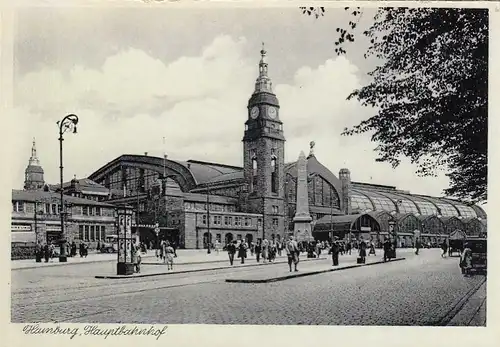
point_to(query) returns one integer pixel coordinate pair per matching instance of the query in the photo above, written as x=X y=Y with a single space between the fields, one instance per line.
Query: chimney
x=345 y=181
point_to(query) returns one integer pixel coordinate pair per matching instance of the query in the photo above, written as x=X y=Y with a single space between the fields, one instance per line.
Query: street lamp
x=209 y=236
x=67 y=123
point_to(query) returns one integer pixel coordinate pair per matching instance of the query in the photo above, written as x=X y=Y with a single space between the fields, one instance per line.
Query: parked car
x=110 y=244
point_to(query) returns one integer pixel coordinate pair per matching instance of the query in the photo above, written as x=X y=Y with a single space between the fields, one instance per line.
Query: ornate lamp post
x=67 y=123
x=209 y=236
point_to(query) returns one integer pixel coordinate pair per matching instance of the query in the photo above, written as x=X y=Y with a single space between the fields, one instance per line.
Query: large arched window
x=452 y=224
x=254 y=170
x=408 y=224
x=475 y=227
x=274 y=180
x=433 y=225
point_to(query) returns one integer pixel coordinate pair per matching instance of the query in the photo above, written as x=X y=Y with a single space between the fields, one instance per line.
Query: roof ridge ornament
x=34 y=158
x=263 y=82
x=311 y=149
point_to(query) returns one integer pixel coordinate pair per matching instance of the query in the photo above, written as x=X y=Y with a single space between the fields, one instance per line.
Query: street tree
x=429 y=91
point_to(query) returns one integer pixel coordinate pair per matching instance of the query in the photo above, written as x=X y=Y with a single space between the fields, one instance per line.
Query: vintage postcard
x=178 y=169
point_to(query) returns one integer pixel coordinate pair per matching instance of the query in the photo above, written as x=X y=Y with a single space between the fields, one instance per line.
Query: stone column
x=302 y=219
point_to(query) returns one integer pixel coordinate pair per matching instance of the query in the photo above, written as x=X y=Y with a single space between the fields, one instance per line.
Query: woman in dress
x=169 y=256
x=265 y=250
x=466 y=260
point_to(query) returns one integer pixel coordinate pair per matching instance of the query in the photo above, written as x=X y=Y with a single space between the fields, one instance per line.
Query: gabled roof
x=52 y=197
x=315 y=167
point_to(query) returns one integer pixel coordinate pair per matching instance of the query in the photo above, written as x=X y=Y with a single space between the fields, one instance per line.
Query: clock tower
x=264 y=155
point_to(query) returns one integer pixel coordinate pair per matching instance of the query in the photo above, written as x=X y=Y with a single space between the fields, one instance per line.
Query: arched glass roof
x=360 y=202
x=405 y=205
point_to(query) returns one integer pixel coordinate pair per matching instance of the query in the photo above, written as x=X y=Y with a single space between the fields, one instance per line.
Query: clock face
x=272 y=112
x=254 y=113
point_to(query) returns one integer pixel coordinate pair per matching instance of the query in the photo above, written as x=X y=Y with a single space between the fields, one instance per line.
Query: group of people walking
x=47 y=251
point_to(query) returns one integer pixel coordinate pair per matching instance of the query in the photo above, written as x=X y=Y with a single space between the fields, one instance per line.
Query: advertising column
x=125 y=264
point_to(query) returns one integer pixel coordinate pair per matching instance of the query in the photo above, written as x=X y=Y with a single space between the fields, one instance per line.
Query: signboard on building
x=368 y=229
x=20 y=227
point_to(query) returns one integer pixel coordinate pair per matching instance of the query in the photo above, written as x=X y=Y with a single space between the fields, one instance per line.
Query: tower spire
x=34 y=159
x=263 y=83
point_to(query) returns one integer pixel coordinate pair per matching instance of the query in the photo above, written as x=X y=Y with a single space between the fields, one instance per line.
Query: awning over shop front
x=347 y=223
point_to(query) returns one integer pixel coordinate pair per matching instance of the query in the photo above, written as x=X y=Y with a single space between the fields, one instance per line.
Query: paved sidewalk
x=185 y=256
x=473 y=313
x=281 y=274
x=161 y=269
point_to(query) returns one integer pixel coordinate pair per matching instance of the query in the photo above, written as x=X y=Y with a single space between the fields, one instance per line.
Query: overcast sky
x=134 y=76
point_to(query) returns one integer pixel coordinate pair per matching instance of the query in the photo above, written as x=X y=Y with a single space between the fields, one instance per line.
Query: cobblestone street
x=420 y=290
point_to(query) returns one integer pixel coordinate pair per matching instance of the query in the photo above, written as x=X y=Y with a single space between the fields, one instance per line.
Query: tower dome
x=33 y=175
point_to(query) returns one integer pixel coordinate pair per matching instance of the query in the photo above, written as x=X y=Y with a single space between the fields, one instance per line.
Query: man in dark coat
x=242 y=251
x=231 y=250
x=335 y=252
x=387 y=248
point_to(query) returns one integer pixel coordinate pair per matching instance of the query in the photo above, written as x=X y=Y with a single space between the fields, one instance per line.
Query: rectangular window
x=259 y=222
x=247 y=222
x=92 y=233
x=47 y=208
x=54 y=208
x=97 y=232
x=237 y=221
x=238 y=236
x=218 y=237
x=97 y=211
x=103 y=232
x=86 y=236
x=80 y=232
x=226 y=220
x=85 y=210
x=275 y=221
x=204 y=219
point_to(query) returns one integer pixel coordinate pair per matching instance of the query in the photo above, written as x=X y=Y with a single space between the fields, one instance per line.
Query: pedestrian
x=174 y=247
x=387 y=249
x=231 y=250
x=417 y=246
x=444 y=247
x=372 y=248
x=51 y=250
x=73 y=249
x=349 y=247
x=466 y=260
x=163 y=250
x=217 y=246
x=136 y=258
x=169 y=256
x=46 y=252
x=242 y=252
x=279 y=246
x=258 y=250
x=335 y=253
x=265 y=250
x=292 y=252
x=252 y=248
x=362 y=250
x=318 y=249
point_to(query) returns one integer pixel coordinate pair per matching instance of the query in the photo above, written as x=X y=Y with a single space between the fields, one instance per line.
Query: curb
x=283 y=278
x=62 y=264
x=194 y=270
x=458 y=305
